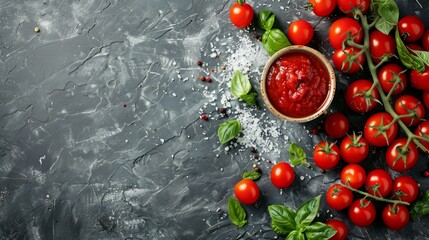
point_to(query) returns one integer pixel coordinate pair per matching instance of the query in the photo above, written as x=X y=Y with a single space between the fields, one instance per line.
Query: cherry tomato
x=362 y=212
x=414 y=46
x=323 y=8
x=336 y=125
x=354 y=149
x=282 y=175
x=326 y=155
x=425 y=40
x=300 y=32
x=341 y=63
x=340 y=227
x=375 y=133
x=357 y=97
x=405 y=188
x=381 y=44
x=246 y=191
x=347 y=6
x=422 y=130
x=339 y=197
x=395 y=217
x=401 y=161
x=353 y=175
x=378 y=183
x=241 y=15
x=425 y=98
x=388 y=75
x=341 y=28
x=420 y=80
x=408 y=104
x=411 y=28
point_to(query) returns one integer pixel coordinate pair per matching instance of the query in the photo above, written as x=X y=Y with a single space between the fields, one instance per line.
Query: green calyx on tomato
x=356 y=141
x=328 y=148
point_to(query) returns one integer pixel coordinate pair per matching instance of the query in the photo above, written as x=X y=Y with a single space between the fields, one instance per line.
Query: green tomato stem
x=367 y=195
x=241 y=2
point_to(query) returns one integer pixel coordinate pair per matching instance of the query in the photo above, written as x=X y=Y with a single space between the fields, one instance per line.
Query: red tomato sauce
x=297 y=85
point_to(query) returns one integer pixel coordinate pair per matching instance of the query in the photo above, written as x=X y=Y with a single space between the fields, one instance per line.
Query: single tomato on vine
x=340 y=227
x=425 y=97
x=420 y=80
x=326 y=155
x=359 y=98
x=405 y=188
x=354 y=148
x=391 y=73
x=336 y=125
x=323 y=8
x=362 y=212
x=425 y=40
x=247 y=191
x=400 y=159
x=378 y=183
x=342 y=62
x=381 y=44
x=347 y=6
x=422 y=130
x=411 y=28
x=379 y=131
x=343 y=27
x=353 y=175
x=241 y=14
x=408 y=104
x=395 y=217
x=300 y=32
x=282 y=175
x=339 y=197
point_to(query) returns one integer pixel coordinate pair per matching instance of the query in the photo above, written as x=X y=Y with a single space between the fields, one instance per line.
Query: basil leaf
x=228 y=130
x=423 y=55
x=282 y=219
x=251 y=175
x=240 y=85
x=384 y=26
x=295 y=235
x=409 y=60
x=307 y=212
x=319 y=230
x=389 y=11
x=274 y=40
x=250 y=99
x=421 y=207
x=266 y=19
x=236 y=212
x=297 y=155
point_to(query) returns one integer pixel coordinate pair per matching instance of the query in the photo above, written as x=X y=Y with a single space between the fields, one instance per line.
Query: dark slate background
x=100 y=133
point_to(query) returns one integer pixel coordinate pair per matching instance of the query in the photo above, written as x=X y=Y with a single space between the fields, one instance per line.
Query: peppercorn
x=202 y=78
x=252 y=149
x=426 y=173
x=256 y=156
x=208 y=79
x=36 y=29
x=204 y=117
x=199 y=63
x=222 y=110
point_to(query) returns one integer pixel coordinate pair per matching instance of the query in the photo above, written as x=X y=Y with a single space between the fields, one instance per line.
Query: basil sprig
x=272 y=39
x=297 y=155
x=388 y=13
x=228 y=130
x=421 y=207
x=299 y=224
x=409 y=60
x=251 y=175
x=236 y=212
x=240 y=88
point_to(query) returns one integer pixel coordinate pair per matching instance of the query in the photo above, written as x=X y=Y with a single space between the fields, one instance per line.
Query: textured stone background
x=100 y=133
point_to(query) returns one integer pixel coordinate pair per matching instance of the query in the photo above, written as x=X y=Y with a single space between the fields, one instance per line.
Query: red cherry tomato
x=326 y=155
x=395 y=217
x=414 y=46
x=323 y=8
x=362 y=212
x=381 y=44
x=425 y=40
x=354 y=149
x=411 y=28
x=378 y=183
x=300 y=32
x=375 y=133
x=405 y=188
x=407 y=104
x=336 y=125
x=341 y=28
x=388 y=75
x=339 y=197
x=425 y=98
x=246 y=191
x=420 y=80
x=357 y=98
x=241 y=15
x=422 y=130
x=347 y=6
x=353 y=175
x=400 y=159
x=340 y=227
x=282 y=175
x=340 y=60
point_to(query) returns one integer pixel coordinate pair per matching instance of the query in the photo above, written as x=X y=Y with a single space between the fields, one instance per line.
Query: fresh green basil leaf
x=282 y=219
x=274 y=40
x=240 y=85
x=408 y=60
x=295 y=235
x=318 y=231
x=251 y=175
x=228 y=130
x=384 y=26
x=236 y=212
x=389 y=11
x=250 y=98
x=266 y=19
x=421 y=207
x=423 y=55
x=297 y=155
x=307 y=212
